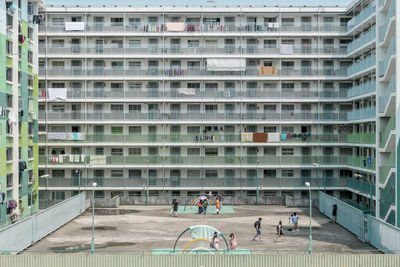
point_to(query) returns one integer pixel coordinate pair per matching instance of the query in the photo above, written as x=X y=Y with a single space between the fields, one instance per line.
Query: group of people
x=214 y=241
x=294 y=219
x=202 y=205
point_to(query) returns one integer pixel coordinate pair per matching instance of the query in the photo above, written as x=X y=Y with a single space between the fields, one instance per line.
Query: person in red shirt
x=200 y=204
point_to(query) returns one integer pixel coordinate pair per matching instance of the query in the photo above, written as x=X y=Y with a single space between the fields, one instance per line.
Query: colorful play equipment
x=199 y=233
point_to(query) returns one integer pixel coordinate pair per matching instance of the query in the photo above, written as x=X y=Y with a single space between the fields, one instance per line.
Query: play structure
x=200 y=242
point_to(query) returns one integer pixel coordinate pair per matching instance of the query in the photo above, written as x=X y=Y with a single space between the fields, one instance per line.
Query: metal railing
x=22 y=234
x=360 y=17
x=389 y=127
x=383 y=100
x=361 y=89
x=362 y=65
x=362 y=186
x=383 y=28
x=365 y=38
x=362 y=113
x=383 y=64
x=385 y=169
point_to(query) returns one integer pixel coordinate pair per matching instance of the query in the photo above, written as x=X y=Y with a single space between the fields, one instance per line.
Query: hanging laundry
x=82 y=158
x=71 y=158
x=260 y=137
x=186 y=91
x=57 y=94
x=56 y=136
x=274 y=137
x=247 y=137
x=61 y=158
x=2 y=112
x=284 y=136
x=77 y=158
x=2 y=198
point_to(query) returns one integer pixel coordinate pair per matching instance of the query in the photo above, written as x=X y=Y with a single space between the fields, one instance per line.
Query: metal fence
x=22 y=234
x=349 y=217
x=201 y=260
x=383 y=236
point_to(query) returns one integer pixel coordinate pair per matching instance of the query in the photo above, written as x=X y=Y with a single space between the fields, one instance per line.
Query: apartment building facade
x=18 y=110
x=166 y=100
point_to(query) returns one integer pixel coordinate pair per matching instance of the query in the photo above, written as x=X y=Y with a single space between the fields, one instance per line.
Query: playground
x=152 y=230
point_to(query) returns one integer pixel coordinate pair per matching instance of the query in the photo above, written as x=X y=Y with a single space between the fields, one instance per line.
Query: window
x=288 y=65
x=269 y=129
x=58 y=195
x=117 y=21
x=58 y=174
x=193 y=43
x=287 y=173
x=193 y=129
x=117 y=108
x=57 y=43
x=117 y=130
x=135 y=129
x=134 y=85
x=57 y=64
x=117 y=152
x=287 y=151
x=135 y=65
x=269 y=20
x=117 y=44
x=135 y=173
x=211 y=151
x=135 y=151
x=211 y=174
x=30 y=152
x=136 y=108
x=134 y=21
x=269 y=43
x=9 y=47
x=287 y=107
x=58 y=108
x=193 y=151
x=9 y=74
x=9 y=180
x=117 y=64
x=135 y=43
x=269 y=173
x=117 y=173
x=211 y=108
x=58 y=21
x=270 y=107
x=270 y=151
x=99 y=151
x=288 y=22
x=287 y=87
x=287 y=129
x=9 y=154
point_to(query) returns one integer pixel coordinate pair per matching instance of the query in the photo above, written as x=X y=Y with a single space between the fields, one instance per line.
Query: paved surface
x=137 y=228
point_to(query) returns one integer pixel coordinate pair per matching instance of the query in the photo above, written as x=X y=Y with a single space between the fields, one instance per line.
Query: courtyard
x=144 y=229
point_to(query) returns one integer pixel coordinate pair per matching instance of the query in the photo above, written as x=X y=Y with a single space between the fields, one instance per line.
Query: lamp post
x=92 y=245
x=258 y=193
x=46 y=176
x=307 y=184
x=79 y=180
x=316 y=165
x=147 y=184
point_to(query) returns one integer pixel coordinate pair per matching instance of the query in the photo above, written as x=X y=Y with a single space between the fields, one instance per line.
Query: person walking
x=175 y=207
x=295 y=221
x=232 y=241
x=200 y=205
x=205 y=205
x=217 y=205
x=214 y=243
x=257 y=225
x=279 y=231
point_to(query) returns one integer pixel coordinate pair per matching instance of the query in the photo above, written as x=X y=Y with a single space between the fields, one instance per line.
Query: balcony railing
x=361 y=89
x=360 y=17
x=361 y=65
x=383 y=28
x=158 y=28
x=140 y=182
x=156 y=160
x=387 y=196
x=365 y=38
x=362 y=114
x=93 y=49
x=223 y=115
x=383 y=64
x=362 y=186
x=383 y=100
x=212 y=137
x=385 y=169
x=180 y=72
x=389 y=127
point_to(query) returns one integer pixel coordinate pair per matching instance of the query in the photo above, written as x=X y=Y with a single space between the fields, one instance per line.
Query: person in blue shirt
x=295 y=221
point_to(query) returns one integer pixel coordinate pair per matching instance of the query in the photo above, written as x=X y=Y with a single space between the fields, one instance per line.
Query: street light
x=46 y=176
x=258 y=194
x=316 y=165
x=79 y=180
x=94 y=185
x=147 y=184
x=307 y=184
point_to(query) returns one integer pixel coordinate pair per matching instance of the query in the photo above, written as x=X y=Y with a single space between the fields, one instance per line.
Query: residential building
x=18 y=110
x=247 y=100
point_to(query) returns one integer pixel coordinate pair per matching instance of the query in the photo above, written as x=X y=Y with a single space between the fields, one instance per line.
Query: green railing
x=384 y=170
x=387 y=196
x=362 y=162
x=362 y=186
x=390 y=127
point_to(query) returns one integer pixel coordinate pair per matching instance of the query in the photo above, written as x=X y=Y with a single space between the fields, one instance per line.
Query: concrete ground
x=132 y=229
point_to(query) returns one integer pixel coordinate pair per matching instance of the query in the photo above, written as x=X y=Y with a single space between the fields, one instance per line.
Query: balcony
x=362 y=65
x=362 y=40
x=383 y=64
x=201 y=138
x=383 y=28
x=384 y=99
x=189 y=72
x=385 y=169
x=387 y=196
x=362 y=114
x=197 y=116
x=361 y=89
x=187 y=28
x=194 y=182
x=360 y=17
x=361 y=186
x=177 y=160
x=389 y=128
